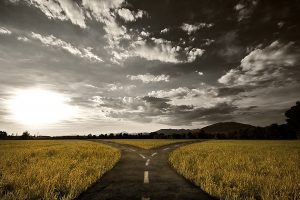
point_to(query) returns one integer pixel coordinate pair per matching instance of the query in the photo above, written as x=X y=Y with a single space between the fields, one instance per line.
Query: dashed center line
x=131 y=149
x=145 y=198
x=146 y=177
x=153 y=154
x=147 y=163
x=142 y=156
x=166 y=148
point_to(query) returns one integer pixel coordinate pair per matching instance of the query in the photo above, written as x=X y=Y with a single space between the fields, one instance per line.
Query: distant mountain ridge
x=221 y=127
x=225 y=127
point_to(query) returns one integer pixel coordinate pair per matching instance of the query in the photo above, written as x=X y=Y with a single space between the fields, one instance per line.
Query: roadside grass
x=242 y=169
x=52 y=169
x=148 y=143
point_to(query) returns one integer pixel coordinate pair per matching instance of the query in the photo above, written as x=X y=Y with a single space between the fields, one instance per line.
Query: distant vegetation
x=147 y=144
x=242 y=169
x=223 y=130
x=51 y=170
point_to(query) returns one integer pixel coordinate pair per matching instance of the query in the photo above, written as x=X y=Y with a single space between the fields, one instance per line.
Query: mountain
x=222 y=127
x=226 y=127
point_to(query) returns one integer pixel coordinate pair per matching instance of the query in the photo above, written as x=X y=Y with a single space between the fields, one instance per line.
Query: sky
x=101 y=66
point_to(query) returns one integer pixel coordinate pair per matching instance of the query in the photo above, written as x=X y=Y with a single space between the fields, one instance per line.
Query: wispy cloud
x=147 y=78
x=51 y=40
x=191 y=28
x=23 y=39
x=62 y=10
x=5 y=31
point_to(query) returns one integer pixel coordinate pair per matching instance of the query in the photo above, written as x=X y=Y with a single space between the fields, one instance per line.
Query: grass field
x=51 y=169
x=148 y=143
x=242 y=169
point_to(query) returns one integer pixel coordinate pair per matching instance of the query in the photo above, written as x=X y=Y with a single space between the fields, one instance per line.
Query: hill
x=226 y=127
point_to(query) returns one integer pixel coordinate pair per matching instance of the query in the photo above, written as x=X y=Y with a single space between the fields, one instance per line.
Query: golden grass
x=51 y=169
x=242 y=169
x=148 y=143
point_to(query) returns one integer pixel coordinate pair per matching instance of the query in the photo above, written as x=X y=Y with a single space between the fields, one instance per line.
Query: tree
x=293 y=117
x=3 y=135
x=25 y=135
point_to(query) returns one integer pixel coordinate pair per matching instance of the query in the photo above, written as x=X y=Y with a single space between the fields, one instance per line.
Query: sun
x=37 y=107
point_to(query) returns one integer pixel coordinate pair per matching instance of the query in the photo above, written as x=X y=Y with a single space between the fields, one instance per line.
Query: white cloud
x=194 y=53
x=145 y=33
x=90 y=55
x=126 y=14
x=245 y=9
x=173 y=93
x=22 y=38
x=208 y=42
x=165 y=30
x=199 y=73
x=206 y=96
x=117 y=86
x=190 y=28
x=147 y=78
x=62 y=10
x=56 y=42
x=157 y=49
x=5 y=31
x=130 y=16
x=163 y=51
x=280 y=24
x=263 y=66
x=105 y=11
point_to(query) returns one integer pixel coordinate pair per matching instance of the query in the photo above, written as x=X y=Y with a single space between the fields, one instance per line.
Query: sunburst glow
x=38 y=107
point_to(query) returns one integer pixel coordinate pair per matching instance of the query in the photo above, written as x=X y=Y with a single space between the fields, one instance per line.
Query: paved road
x=143 y=174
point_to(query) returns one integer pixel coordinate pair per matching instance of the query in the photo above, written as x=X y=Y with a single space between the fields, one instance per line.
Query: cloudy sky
x=137 y=65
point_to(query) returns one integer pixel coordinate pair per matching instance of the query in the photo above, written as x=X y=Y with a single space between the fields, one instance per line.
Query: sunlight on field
x=242 y=169
x=51 y=169
x=148 y=143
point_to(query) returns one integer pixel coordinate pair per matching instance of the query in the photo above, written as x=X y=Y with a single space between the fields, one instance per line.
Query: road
x=143 y=175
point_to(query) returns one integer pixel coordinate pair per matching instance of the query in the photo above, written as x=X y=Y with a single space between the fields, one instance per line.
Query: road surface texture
x=143 y=175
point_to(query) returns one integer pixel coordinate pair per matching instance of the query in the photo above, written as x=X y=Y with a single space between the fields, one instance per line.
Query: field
x=242 y=169
x=148 y=143
x=51 y=169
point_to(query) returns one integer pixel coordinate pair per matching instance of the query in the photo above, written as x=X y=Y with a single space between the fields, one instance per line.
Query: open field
x=242 y=169
x=148 y=143
x=52 y=169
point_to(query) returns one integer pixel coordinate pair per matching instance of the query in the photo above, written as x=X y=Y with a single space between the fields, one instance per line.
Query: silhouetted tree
x=293 y=118
x=3 y=135
x=25 y=135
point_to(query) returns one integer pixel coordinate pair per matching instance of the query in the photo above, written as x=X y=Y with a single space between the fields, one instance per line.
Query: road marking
x=147 y=163
x=131 y=149
x=142 y=156
x=153 y=154
x=145 y=198
x=166 y=148
x=177 y=145
x=146 y=177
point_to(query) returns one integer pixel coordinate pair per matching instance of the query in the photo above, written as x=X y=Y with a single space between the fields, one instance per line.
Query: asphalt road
x=144 y=175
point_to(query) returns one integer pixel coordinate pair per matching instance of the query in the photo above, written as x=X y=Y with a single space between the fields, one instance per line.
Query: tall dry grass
x=51 y=169
x=242 y=169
